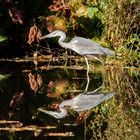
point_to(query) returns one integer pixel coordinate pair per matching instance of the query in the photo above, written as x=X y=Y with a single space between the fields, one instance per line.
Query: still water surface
x=25 y=88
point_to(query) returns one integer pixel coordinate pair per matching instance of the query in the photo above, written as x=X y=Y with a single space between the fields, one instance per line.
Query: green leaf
x=2 y=38
x=2 y=77
x=92 y=11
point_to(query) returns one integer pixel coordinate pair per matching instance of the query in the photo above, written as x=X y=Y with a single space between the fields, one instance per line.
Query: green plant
x=122 y=29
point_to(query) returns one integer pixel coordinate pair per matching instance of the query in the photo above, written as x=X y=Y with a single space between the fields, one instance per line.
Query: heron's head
x=54 y=34
x=63 y=113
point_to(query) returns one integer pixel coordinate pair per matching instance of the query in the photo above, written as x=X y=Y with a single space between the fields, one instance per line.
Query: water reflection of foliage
x=35 y=81
x=119 y=119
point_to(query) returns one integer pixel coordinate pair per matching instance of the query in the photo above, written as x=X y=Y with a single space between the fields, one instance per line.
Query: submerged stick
x=26 y=128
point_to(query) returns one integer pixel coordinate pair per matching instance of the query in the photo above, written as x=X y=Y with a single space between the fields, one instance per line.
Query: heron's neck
x=62 y=43
x=63 y=112
x=66 y=103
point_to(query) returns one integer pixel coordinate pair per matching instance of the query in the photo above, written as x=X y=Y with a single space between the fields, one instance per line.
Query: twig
x=26 y=128
x=64 y=134
x=5 y=122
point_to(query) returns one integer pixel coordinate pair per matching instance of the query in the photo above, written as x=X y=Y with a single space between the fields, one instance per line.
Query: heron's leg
x=98 y=88
x=97 y=59
x=88 y=80
x=66 y=57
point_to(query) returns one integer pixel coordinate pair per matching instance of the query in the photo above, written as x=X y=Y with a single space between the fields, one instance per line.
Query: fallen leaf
x=15 y=15
x=17 y=99
x=32 y=34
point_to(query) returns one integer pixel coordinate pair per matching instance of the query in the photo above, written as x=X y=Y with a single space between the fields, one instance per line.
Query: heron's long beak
x=45 y=36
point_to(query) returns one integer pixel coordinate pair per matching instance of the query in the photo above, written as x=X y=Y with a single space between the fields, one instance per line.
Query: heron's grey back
x=88 y=101
x=85 y=46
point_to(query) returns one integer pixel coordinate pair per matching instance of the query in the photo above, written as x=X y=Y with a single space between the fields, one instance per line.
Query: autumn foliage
x=16 y=15
x=34 y=33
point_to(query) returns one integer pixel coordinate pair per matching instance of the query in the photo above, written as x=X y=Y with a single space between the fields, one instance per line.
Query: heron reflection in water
x=82 y=102
x=82 y=46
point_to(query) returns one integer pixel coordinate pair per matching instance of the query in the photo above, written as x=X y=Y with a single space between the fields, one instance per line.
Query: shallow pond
x=27 y=86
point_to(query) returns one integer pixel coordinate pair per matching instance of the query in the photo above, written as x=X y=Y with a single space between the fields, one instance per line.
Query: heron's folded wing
x=85 y=46
x=88 y=101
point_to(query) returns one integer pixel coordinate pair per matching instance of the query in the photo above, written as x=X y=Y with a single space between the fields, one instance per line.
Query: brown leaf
x=82 y=116
x=55 y=8
x=51 y=84
x=32 y=34
x=57 y=88
x=35 y=81
x=54 y=106
x=39 y=79
x=39 y=35
x=17 y=99
x=15 y=15
x=58 y=5
x=55 y=23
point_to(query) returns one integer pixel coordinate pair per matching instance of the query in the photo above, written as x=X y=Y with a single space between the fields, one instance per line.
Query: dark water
x=25 y=88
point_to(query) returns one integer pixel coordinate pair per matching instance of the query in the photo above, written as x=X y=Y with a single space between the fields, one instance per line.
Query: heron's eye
x=66 y=107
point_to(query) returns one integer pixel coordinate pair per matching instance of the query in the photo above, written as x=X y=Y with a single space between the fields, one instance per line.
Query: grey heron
x=82 y=102
x=82 y=46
